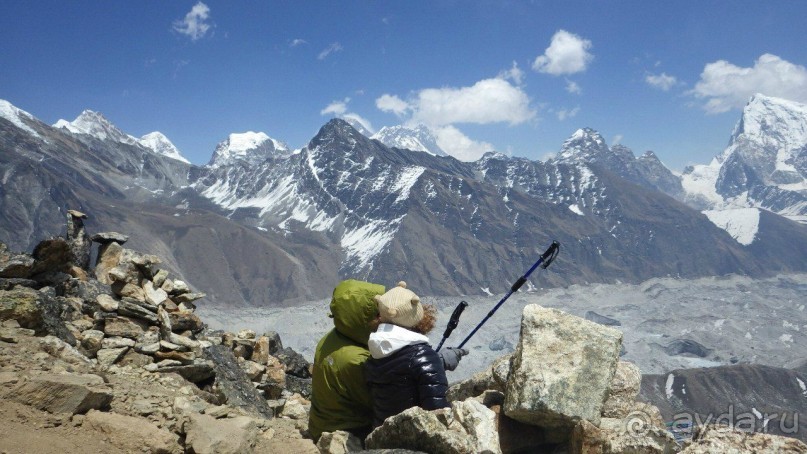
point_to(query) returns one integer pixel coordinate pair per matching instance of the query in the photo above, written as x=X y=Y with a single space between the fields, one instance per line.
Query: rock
x=149 y=349
x=620 y=436
x=117 y=342
x=601 y=319
x=61 y=349
x=196 y=372
x=179 y=287
x=186 y=298
x=275 y=344
x=184 y=405
x=132 y=358
x=15 y=266
x=186 y=342
x=260 y=354
x=124 y=327
x=688 y=347
x=182 y=357
x=78 y=239
x=492 y=378
x=11 y=283
x=109 y=255
x=172 y=346
x=107 y=303
x=438 y=431
x=252 y=369
x=712 y=438
x=624 y=388
x=51 y=256
x=65 y=393
x=500 y=344
x=159 y=278
x=168 y=286
x=246 y=334
x=165 y=323
x=298 y=385
x=232 y=384
x=109 y=356
x=339 y=442
x=110 y=237
x=128 y=289
x=296 y=407
x=295 y=363
x=154 y=296
x=207 y=435
x=21 y=304
x=185 y=321
x=562 y=369
x=130 y=309
x=92 y=340
x=133 y=434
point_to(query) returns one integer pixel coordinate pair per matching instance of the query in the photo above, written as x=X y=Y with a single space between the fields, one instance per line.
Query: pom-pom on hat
x=400 y=306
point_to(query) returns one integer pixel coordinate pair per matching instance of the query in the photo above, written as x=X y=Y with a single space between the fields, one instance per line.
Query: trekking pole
x=452 y=323
x=546 y=259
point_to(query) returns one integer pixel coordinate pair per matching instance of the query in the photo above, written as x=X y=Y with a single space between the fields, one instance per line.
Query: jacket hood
x=390 y=338
x=353 y=307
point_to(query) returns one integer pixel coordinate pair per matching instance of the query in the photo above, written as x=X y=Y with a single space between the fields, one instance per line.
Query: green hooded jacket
x=340 y=398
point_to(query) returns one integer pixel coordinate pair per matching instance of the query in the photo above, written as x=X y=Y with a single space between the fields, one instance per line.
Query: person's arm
x=431 y=379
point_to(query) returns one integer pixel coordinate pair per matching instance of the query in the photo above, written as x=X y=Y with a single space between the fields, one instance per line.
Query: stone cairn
x=128 y=313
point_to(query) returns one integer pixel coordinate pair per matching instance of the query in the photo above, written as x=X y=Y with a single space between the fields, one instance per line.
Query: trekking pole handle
x=452 y=322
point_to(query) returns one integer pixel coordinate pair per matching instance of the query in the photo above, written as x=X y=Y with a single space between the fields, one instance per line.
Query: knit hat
x=400 y=306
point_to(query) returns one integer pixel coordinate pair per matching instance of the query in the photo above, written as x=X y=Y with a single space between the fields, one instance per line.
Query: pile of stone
x=128 y=317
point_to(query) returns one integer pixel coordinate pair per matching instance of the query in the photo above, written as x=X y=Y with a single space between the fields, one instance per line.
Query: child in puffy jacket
x=404 y=370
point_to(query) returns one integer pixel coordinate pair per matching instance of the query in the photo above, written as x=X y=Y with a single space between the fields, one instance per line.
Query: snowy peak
x=419 y=138
x=773 y=119
x=358 y=124
x=16 y=116
x=582 y=146
x=158 y=143
x=96 y=125
x=248 y=146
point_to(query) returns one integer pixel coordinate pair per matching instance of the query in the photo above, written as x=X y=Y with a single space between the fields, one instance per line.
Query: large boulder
x=133 y=434
x=713 y=438
x=64 y=393
x=35 y=310
x=14 y=265
x=466 y=427
x=493 y=378
x=617 y=436
x=562 y=369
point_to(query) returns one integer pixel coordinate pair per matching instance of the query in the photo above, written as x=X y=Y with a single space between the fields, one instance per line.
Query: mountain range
x=264 y=225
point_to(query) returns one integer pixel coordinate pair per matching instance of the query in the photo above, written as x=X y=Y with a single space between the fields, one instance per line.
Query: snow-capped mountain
x=587 y=146
x=764 y=165
x=248 y=147
x=418 y=138
x=17 y=117
x=96 y=125
x=286 y=227
x=158 y=143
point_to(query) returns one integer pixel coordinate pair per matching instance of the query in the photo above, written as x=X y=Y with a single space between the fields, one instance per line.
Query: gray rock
x=196 y=372
x=186 y=298
x=92 y=340
x=712 y=438
x=562 y=369
x=117 y=342
x=492 y=378
x=51 y=256
x=15 y=265
x=110 y=237
x=467 y=427
x=339 y=442
x=130 y=309
x=109 y=356
x=232 y=383
x=154 y=296
x=295 y=363
x=78 y=239
x=159 y=278
x=107 y=303
x=124 y=327
x=686 y=347
x=63 y=393
x=35 y=310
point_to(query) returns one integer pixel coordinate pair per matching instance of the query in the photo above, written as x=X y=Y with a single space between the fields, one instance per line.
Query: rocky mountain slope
x=262 y=225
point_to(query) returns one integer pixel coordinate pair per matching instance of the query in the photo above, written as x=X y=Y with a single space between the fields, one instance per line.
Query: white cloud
x=335 y=108
x=617 y=140
x=392 y=103
x=487 y=101
x=458 y=145
x=568 y=113
x=350 y=116
x=662 y=81
x=566 y=54
x=297 y=42
x=194 y=24
x=573 y=88
x=334 y=47
x=514 y=73
x=725 y=86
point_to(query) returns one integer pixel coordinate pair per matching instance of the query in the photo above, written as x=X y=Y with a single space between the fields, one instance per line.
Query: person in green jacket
x=340 y=398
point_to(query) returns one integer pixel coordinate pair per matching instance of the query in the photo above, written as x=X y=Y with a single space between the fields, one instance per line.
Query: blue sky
x=519 y=77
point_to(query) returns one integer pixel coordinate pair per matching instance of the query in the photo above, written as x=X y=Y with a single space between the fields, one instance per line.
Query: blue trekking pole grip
x=546 y=259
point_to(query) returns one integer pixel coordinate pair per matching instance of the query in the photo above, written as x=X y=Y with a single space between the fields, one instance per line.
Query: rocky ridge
x=114 y=357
